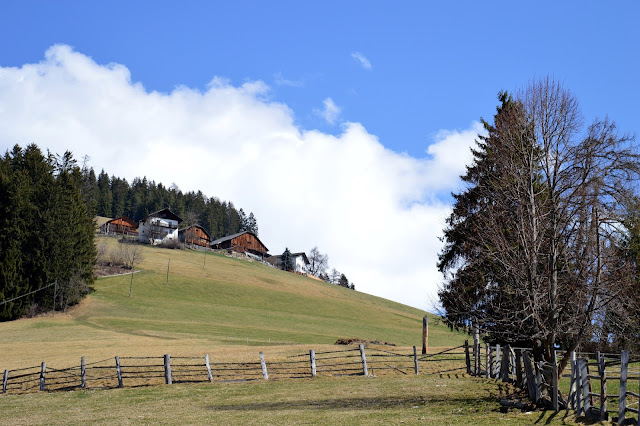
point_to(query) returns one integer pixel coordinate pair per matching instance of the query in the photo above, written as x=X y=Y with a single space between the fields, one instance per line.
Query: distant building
x=242 y=242
x=121 y=225
x=300 y=262
x=158 y=227
x=195 y=234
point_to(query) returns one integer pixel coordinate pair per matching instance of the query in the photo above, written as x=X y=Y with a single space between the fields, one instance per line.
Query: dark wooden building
x=241 y=242
x=195 y=234
x=121 y=225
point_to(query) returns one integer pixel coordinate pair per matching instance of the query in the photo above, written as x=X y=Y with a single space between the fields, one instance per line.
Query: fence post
x=519 y=368
x=602 y=371
x=512 y=364
x=265 y=373
x=43 y=371
x=579 y=390
x=540 y=365
x=528 y=369
x=467 y=356
x=487 y=358
x=504 y=365
x=490 y=363
x=119 y=371
x=425 y=334
x=586 y=385
x=83 y=373
x=167 y=369
x=365 y=371
x=312 y=358
x=624 y=369
x=415 y=359
x=496 y=362
x=4 y=381
x=554 y=382
x=206 y=363
x=574 y=379
x=476 y=348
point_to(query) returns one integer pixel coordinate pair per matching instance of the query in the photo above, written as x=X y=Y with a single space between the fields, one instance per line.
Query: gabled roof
x=125 y=219
x=232 y=236
x=164 y=214
x=194 y=226
x=304 y=255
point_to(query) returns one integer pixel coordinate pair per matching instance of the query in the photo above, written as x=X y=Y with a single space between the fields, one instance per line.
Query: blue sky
x=366 y=109
x=434 y=65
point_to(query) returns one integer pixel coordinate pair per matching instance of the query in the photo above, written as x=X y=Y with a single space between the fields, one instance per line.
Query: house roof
x=129 y=221
x=232 y=236
x=278 y=258
x=195 y=226
x=164 y=214
x=303 y=254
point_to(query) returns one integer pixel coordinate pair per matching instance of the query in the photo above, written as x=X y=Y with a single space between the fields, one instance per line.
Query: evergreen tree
x=252 y=224
x=105 y=198
x=343 y=281
x=287 y=260
x=244 y=225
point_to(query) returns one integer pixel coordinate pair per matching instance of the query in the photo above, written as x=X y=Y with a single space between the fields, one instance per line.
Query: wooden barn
x=121 y=225
x=242 y=242
x=195 y=234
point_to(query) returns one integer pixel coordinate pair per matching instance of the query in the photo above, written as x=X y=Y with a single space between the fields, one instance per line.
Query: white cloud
x=374 y=211
x=279 y=80
x=330 y=111
x=362 y=60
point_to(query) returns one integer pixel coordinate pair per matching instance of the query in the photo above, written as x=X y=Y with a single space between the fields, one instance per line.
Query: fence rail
x=590 y=376
x=130 y=371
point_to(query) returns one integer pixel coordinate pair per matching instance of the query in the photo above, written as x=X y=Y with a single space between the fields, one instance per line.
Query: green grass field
x=355 y=400
x=210 y=303
x=231 y=309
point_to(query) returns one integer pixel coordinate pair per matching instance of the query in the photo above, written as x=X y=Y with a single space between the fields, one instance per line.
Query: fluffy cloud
x=330 y=111
x=375 y=211
x=362 y=60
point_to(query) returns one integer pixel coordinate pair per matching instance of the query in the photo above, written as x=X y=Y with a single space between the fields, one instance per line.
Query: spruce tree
x=287 y=260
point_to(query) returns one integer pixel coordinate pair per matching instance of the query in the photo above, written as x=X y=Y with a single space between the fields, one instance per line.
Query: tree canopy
x=47 y=249
x=538 y=246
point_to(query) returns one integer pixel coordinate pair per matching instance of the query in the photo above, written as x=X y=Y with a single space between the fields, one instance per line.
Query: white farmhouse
x=158 y=227
x=300 y=262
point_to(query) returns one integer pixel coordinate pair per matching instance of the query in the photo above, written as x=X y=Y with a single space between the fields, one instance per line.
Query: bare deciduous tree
x=533 y=245
x=318 y=262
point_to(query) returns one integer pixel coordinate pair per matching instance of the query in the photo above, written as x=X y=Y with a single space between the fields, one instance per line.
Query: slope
x=189 y=301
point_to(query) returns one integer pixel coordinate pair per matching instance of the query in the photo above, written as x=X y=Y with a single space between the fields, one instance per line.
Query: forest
x=115 y=197
x=48 y=205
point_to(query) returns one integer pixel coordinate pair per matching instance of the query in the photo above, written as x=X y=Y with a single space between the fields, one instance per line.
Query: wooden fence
x=120 y=372
x=586 y=385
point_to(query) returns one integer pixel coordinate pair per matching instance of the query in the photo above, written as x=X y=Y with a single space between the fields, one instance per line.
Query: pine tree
x=287 y=260
x=252 y=224
x=105 y=198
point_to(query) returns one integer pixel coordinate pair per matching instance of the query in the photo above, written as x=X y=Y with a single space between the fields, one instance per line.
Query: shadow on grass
x=565 y=416
x=364 y=403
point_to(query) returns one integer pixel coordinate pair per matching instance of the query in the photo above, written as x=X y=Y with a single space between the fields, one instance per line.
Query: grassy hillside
x=210 y=303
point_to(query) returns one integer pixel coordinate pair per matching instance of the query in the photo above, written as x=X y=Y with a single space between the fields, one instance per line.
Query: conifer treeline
x=115 y=197
x=46 y=232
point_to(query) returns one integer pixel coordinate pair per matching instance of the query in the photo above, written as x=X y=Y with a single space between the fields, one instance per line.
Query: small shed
x=120 y=225
x=195 y=234
x=242 y=242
